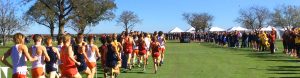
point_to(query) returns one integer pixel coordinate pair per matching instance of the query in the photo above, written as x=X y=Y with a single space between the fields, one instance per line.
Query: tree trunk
x=61 y=21
x=52 y=29
x=60 y=30
x=126 y=29
x=81 y=30
x=3 y=40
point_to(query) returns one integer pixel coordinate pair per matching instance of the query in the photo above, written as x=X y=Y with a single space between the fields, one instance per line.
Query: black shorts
x=112 y=64
x=50 y=68
x=285 y=45
x=82 y=67
x=291 y=46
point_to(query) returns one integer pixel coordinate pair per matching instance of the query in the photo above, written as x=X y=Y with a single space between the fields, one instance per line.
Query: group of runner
x=73 y=56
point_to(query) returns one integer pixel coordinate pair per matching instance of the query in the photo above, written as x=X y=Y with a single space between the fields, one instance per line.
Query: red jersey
x=69 y=68
x=128 y=46
x=103 y=52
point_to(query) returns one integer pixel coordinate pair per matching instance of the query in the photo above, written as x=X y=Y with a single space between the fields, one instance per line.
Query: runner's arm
x=71 y=55
x=27 y=55
x=4 y=60
x=120 y=46
x=83 y=50
x=56 y=51
x=97 y=51
x=44 y=51
x=115 y=50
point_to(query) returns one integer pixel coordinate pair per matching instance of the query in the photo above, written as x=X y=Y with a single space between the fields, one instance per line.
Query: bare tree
x=247 y=19
x=200 y=21
x=9 y=22
x=254 y=17
x=262 y=15
x=286 y=16
x=128 y=19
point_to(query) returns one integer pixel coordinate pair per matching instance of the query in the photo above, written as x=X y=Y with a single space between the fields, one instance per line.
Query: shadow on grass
x=284 y=70
x=266 y=55
x=174 y=42
x=138 y=72
x=285 y=60
x=212 y=45
x=248 y=52
x=284 y=77
x=284 y=73
x=284 y=67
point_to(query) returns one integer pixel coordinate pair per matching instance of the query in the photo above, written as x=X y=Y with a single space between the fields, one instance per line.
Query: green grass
x=207 y=60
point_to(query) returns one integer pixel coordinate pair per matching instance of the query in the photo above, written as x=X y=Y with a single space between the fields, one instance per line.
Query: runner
x=142 y=51
x=119 y=47
x=103 y=53
x=81 y=56
x=59 y=46
x=155 y=53
x=161 y=39
x=292 y=46
x=92 y=54
x=147 y=41
x=51 y=66
x=112 y=58
x=19 y=54
x=155 y=34
x=272 y=40
x=135 y=47
x=38 y=50
x=128 y=49
x=69 y=69
x=297 y=42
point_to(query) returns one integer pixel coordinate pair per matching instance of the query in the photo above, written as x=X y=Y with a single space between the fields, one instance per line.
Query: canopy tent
x=176 y=30
x=216 y=29
x=283 y=29
x=191 y=30
x=286 y=28
x=238 y=28
x=269 y=28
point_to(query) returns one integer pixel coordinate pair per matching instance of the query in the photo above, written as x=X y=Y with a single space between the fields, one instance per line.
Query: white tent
x=176 y=30
x=216 y=29
x=269 y=28
x=191 y=30
x=238 y=28
x=283 y=29
x=286 y=28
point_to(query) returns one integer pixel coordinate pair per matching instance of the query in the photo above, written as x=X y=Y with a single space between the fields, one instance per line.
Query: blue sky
x=164 y=15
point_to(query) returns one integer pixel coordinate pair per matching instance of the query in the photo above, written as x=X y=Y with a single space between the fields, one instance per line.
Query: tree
x=61 y=8
x=128 y=20
x=247 y=19
x=42 y=15
x=200 y=21
x=262 y=15
x=68 y=10
x=90 y=13
x=254 y=17
x=286 y=16
x=9 y=22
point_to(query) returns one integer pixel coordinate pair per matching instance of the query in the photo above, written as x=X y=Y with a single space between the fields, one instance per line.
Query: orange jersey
x=69 y=68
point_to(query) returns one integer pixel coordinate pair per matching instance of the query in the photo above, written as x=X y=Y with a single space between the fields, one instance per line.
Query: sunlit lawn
x=207 y=60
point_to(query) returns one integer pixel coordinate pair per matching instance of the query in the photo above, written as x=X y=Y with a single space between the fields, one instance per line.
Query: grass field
x=207 y=60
